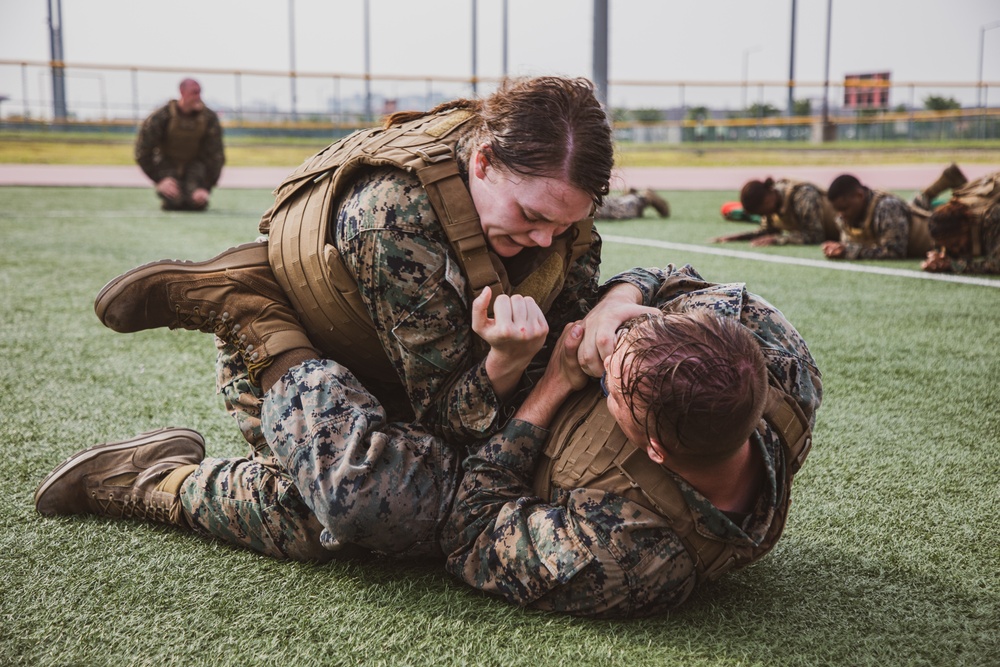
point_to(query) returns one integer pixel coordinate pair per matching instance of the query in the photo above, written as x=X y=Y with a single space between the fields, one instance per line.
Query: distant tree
x=802 y=108
x=647 y=115
x=619 y=115
x=936 y=103
x=900 y=108
x=768 y=110
x=697 y=113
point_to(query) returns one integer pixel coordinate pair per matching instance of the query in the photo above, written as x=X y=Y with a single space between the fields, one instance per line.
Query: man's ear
x=655 y=451
x=480 y=161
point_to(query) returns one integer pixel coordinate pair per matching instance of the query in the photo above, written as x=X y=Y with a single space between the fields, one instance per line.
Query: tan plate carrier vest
x=919 y=243
x=788 y=221
x=588 y=450
x=980 y=196
x=321 y=287
x=184 y=134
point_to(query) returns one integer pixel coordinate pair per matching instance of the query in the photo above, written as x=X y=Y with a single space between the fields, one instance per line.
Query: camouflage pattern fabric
x=890 y=226
x=414 y=290
x=593 y=553
x=989 y=261
x=250 y=502
x=380 y=486
x=806 y=203
x=202 y=172
x=621 y=207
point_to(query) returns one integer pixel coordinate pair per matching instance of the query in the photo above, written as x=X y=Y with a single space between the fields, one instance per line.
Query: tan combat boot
x=137 y=478
x=657 y=202
x=951 y=178
x=234 y=295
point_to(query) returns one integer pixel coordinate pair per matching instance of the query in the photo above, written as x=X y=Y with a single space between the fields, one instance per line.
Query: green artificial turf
x=891 y=555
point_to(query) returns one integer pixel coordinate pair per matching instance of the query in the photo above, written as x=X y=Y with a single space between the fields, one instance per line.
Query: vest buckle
x=434 y=153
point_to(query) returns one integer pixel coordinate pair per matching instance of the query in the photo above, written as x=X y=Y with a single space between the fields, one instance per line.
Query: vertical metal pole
x=24 y=90
x=505 y=37
x=239 y=96
x=291 y=58
x=475 y=72
x=368 y=64
x=58 y=68
x=791 y=68
x=600 y=49
x=979 y=79
x=826 y=70
x=135 y=94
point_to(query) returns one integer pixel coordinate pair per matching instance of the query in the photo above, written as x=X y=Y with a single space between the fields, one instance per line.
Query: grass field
x=891 y=556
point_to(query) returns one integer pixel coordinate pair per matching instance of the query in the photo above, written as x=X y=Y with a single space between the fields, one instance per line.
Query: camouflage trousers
x=325 y=471
x=189 y=178
x=622 y=207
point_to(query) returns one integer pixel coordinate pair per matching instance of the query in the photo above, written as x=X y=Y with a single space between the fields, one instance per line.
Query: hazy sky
x=662 y=40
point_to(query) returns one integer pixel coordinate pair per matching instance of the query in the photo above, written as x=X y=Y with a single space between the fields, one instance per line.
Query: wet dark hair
x=696 y=382
x=843 y=185
x=753 y=194
x=949 y=220
x=542 y=126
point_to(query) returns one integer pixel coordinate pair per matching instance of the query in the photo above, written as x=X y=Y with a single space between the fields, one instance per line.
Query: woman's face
x=519 y=212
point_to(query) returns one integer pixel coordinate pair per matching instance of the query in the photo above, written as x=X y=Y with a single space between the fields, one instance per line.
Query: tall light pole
x=746 y=69
x=58 y=68
x=291 y=57
x=600 y=51
x=982 y=40
x=826 y=71
x=505 y=39
x=475 y=69
x=791 y=66
x=368 y=64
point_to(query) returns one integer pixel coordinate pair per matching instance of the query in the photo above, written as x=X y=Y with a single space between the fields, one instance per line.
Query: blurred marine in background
x=180 y=148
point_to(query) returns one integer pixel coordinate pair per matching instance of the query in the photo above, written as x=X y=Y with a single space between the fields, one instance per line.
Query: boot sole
x=159 y=435
x=241 y=256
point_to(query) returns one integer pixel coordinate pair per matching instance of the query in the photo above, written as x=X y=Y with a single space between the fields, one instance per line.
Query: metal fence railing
x=117 y=97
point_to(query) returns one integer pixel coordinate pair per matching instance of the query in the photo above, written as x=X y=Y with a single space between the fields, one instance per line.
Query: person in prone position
x=582 y=503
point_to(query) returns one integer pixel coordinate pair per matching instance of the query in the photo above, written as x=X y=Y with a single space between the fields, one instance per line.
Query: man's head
x=847 y=196
x=951 y=228
x=692 y=383
x=760 y=197
x=190 y=100
x=540 y=160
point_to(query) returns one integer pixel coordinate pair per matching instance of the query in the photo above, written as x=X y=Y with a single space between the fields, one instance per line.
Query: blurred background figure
x=632 y=204
x=966 y=230
x=180 y=148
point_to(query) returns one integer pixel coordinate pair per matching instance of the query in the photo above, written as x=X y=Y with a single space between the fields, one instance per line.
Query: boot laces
x=230 y=331
x=132 y=506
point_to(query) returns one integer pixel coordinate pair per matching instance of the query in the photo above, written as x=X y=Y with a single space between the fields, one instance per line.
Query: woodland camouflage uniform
x=389 y=487
x=890 y=227
x=202 y=171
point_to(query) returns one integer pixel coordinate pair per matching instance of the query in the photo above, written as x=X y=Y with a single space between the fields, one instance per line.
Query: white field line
x=814 y=263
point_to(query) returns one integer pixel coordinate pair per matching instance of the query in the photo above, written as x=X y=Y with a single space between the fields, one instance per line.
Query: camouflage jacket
x=890 y=225
x=413 y=288
x=594 y=553
x=157 y=166
x=806 y=203
x=989 y=234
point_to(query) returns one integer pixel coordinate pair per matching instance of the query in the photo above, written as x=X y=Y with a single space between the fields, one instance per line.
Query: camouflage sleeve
x=148 y=141
x=211 y=153
x=788 y=358
x=579 y=556
x=415 y=293
x=989 y=261
x=807 y=203
x=891 y=225
x=648 y=281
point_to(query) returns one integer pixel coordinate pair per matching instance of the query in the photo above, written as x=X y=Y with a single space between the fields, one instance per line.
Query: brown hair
x=695 y=382
x=753 y=193
x=948 y=220
x=543 y=126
